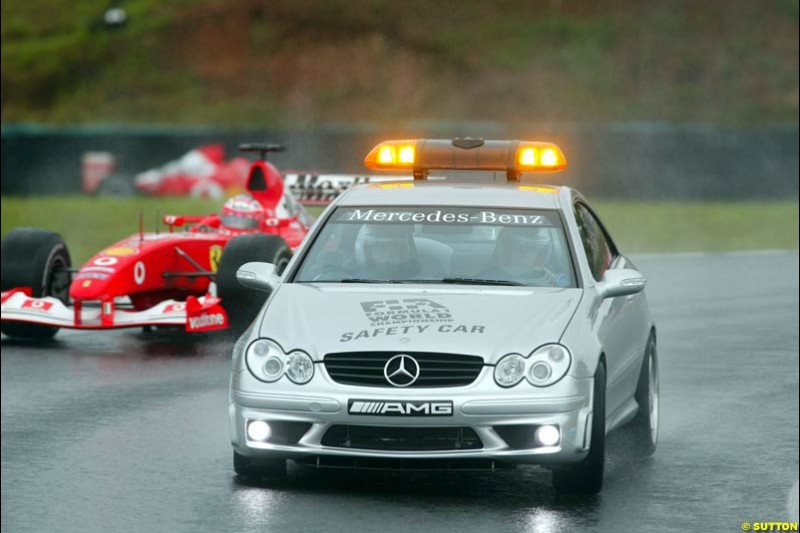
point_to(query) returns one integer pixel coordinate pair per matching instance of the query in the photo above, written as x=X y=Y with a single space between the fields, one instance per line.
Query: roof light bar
x=421 y=155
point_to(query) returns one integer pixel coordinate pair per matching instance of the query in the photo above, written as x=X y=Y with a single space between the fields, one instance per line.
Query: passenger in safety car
x=523 y=255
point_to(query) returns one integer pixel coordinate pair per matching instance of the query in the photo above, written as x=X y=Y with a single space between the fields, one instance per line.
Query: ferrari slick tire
x=586 y=477
x=242 y=304
x=644 y=427
x=38 y=259
x=263 y=470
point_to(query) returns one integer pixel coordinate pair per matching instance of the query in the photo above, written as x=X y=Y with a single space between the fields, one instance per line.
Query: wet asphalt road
x=127 y=431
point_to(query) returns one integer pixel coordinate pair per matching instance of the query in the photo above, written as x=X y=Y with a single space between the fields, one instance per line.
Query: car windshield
x=458 y=245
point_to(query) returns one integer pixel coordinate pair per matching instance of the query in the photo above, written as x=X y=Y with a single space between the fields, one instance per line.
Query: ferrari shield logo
x=214 y=255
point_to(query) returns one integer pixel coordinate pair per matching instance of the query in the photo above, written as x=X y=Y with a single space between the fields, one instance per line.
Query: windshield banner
x=445 y=215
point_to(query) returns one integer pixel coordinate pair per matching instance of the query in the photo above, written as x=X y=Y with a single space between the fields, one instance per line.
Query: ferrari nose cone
x=88 y=288
x=106 y=274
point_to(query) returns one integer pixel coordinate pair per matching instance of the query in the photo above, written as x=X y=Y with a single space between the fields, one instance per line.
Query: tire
x=644 y=427
x=38 y=259
x=587 y=476
x=264 y=470
x=242 y=304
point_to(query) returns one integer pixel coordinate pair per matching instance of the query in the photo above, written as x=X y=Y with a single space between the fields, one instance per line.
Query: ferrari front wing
x=195 y=314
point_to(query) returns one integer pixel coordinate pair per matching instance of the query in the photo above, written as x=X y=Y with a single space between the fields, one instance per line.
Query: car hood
x=485 y=321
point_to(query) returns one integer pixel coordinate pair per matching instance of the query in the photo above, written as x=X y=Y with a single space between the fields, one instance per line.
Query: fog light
x=548 y=435
x=258 y=430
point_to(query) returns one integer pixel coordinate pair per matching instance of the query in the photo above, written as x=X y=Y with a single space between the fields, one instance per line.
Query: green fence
x=622 y=161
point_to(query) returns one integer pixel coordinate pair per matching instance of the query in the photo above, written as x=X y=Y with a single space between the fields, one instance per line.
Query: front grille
x=435 y=369
x=416 y=439
x=394 y=463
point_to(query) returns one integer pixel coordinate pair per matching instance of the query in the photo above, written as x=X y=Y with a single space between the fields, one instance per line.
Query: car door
x=615 y=318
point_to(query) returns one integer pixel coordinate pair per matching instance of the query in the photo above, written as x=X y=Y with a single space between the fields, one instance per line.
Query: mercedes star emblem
x=401 y=370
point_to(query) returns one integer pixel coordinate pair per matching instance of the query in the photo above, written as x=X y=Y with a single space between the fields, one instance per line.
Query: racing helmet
x=387 y=251
x=521 y=249
x=242 y=213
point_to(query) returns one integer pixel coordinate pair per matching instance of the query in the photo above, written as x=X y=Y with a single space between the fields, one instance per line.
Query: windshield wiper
x=463 y=281
x=450 y=281
x=480 y=281
x=363 y=280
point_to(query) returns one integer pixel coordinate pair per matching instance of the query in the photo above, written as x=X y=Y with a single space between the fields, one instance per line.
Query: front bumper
x=483 y=407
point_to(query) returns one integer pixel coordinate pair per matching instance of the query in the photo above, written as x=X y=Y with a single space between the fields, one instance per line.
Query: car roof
x=456 y=193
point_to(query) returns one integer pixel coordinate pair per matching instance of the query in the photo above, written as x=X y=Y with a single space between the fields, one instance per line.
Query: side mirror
x=621 y=282
x=259 y=276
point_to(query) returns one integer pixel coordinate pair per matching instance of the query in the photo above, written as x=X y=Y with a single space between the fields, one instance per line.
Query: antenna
x=141 y=225
x=157 y=225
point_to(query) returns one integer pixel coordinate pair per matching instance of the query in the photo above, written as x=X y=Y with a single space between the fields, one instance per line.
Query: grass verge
x=89 y=224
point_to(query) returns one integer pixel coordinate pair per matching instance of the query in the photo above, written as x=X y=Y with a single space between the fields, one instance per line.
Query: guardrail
x=626 y=161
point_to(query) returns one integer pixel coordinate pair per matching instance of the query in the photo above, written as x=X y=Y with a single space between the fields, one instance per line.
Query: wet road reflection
x=127 y=431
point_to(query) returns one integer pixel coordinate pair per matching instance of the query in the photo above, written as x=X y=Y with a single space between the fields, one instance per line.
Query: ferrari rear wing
x=262 y=149
x=194 y=315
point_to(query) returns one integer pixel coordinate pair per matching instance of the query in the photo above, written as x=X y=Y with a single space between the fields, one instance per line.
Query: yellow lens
x=386 y=155
x=391 y=185
x=549 y=157
x=407 y=155
x=527 y=157
x=537 y=188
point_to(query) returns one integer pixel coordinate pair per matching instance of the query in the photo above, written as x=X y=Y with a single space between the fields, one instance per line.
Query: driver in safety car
x=523 y=255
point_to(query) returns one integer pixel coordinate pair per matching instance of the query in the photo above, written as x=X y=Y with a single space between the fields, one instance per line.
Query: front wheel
x=644 y=427
x=241 y=303
x=37 y=259
x=586 y=477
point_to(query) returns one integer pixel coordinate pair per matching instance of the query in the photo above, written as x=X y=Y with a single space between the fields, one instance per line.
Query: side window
x=598 y=250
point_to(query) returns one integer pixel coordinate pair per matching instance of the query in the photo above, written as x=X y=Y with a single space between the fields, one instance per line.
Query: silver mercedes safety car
x=448 y=324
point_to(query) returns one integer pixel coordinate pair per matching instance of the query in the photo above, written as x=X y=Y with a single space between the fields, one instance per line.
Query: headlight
x=545 y=366
x=299 y=367
x=509 y=370
x=267 y=362
x=548 y=364
x=540 y=372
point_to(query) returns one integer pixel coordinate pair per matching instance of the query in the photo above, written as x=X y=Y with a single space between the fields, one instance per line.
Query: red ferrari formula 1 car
x=185 y=276
x=201 y=173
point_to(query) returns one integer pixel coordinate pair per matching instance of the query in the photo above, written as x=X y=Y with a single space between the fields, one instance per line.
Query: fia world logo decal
x=405 y=311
